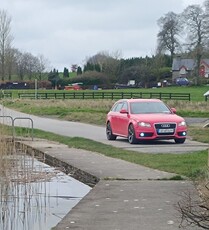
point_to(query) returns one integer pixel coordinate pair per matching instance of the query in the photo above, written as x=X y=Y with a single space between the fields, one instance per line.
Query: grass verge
x=93 y=111
x=191 y=165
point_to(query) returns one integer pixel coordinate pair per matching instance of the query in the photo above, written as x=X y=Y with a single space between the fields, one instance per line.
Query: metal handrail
x=13 y=123
x=24 y=118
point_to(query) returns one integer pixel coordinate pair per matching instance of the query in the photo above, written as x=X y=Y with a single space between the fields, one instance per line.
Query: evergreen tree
x=88 y=67
x=79 y=70
x=54 y=78
x=66 y=73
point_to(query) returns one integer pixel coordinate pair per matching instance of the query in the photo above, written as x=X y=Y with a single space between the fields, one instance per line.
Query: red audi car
x=144 y=119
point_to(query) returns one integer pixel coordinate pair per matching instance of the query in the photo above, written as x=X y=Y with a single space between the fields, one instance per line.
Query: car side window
x=125 y=106
x=135 y=108
x=117 y=107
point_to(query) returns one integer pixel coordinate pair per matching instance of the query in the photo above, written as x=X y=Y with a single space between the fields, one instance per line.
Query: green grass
x=190 y=165
x=195 y=91
x=194 y=113
x=93 y=111
x=199 y=134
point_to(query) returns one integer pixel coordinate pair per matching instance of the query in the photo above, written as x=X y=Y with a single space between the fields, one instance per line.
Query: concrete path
x=128 y=196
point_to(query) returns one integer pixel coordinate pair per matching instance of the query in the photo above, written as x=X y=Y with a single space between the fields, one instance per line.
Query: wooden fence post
x=208 y=158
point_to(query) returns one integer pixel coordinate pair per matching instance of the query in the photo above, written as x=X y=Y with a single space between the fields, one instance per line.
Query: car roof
x=140 y=100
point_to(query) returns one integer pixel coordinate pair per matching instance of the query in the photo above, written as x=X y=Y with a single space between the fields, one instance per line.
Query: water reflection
x=35 y=195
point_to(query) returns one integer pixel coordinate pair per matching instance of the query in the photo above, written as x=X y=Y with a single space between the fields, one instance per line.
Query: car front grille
x=164 y=129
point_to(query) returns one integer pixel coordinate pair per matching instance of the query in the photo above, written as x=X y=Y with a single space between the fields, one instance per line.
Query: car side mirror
x=173 y=110
x=124 y=111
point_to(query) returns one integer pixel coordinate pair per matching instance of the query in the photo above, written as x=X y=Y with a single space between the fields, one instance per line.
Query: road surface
x=93 y=132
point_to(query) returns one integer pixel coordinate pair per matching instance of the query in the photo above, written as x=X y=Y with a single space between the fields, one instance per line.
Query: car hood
x=157 y=117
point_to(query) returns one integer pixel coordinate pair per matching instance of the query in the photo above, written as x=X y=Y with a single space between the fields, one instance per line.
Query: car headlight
x=144 y=124
x=182 y=123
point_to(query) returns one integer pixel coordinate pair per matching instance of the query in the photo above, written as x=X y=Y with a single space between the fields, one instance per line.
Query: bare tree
x=21 y=64
x=41 y=66
x=206 y=5
x=9 y=62
x=195 y=21
x=170 y=30
x=12 y=59
x=32 y=65
x=109 y=63
x=27 y=65
x=5 y=39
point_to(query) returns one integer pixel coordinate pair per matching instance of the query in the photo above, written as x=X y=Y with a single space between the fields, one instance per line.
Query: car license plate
x=165 y=131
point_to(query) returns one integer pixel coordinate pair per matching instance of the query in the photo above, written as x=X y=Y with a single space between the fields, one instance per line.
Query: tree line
x=185 y=34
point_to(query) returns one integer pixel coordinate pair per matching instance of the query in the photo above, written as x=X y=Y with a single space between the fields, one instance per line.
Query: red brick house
x=204 y=68
x=183 y=67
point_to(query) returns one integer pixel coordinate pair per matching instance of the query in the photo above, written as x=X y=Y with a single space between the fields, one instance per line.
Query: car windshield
x=148 y=107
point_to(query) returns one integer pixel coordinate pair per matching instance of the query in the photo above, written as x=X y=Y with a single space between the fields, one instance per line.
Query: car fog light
x=141 y=134
x=184 y=133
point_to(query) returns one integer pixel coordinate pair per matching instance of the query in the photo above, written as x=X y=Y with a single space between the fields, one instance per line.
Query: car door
x=115 y=117
x=123 y=120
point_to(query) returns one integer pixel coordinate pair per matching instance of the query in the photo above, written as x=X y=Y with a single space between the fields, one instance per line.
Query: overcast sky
x=67 y=32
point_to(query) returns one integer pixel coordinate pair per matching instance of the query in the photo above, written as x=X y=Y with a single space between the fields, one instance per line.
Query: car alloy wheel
x=131 y=135
x=109 y=134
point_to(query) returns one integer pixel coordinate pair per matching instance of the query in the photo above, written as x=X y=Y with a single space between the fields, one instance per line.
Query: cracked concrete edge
x=74 y=171
x=68 y=169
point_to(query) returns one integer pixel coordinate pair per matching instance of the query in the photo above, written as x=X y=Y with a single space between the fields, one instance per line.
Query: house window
x=183 y=71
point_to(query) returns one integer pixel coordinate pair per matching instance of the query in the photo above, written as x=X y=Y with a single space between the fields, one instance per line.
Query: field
x=94 y=111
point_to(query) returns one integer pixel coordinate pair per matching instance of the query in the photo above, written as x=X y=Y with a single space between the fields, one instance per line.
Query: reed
x=22 y=181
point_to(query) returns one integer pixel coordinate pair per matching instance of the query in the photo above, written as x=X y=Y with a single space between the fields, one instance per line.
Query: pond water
x=35 y=195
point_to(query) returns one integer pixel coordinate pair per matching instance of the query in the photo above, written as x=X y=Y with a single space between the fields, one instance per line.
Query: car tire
x=109 y=134
x=131 y=135
x=179 y=140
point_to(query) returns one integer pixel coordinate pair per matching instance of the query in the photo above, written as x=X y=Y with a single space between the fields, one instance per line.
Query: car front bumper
x=152 y=133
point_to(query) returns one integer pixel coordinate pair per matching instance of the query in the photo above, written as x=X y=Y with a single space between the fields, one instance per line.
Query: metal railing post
x=12 y=124
x=25 y=118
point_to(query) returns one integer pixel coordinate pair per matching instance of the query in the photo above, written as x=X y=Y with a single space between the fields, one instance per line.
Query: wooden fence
x=106 y=95
x=4 y=94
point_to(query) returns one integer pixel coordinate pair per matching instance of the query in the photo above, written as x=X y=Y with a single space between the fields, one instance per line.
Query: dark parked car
x=182 y=81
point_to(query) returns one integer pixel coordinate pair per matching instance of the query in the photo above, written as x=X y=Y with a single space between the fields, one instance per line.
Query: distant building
x=183 y=67
x=204 y=68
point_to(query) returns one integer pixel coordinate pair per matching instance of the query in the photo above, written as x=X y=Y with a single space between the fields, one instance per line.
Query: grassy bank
x=191 y=164
x=93 y=111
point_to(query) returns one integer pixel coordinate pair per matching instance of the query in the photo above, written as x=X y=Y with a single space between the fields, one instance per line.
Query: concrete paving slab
x=128 y=196
x=97 y=164
x=128 y=205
